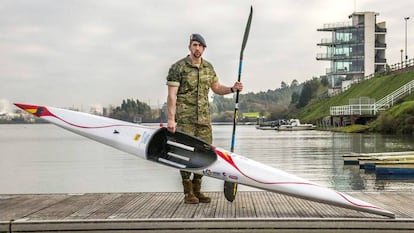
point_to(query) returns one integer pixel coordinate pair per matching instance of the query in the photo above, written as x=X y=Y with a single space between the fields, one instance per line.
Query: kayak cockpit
x=180 y=150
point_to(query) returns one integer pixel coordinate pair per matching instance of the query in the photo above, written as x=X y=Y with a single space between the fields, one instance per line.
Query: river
x=42 y=158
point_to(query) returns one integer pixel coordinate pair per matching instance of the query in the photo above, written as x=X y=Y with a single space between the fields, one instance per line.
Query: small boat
x=294 y=124
x=265 y=127
x=272 y=125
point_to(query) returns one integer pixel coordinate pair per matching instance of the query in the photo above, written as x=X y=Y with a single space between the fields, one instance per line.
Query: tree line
x=132 y=111
x=273 y=104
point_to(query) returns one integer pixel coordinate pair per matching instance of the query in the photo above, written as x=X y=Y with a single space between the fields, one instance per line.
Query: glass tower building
x=356 y=48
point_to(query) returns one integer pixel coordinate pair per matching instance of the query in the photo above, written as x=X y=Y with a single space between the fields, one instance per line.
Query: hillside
x=376 y=88
x=399 y=119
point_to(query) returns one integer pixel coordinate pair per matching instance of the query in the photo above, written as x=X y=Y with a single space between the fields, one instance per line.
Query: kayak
x=184 y=152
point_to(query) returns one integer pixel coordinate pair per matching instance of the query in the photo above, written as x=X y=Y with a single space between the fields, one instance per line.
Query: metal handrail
x=390 y=99
x=373 y=109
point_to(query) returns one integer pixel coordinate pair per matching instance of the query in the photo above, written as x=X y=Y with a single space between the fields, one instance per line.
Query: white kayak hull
x=184 y=152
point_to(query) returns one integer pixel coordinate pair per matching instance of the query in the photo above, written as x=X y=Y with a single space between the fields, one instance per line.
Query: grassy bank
x=376 y=88
x=399 y=119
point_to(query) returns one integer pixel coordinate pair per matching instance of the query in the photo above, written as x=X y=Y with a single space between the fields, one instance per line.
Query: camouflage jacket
x=193 y=86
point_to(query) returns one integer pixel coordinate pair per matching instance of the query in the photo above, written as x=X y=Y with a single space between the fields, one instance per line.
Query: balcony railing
x=331 y=71
x=330 y=41
x=338 y=56
x=326 y=41
x=336 y=25
x=321 y=56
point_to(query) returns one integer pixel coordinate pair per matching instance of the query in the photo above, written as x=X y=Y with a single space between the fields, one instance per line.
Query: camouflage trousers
x=203 y=132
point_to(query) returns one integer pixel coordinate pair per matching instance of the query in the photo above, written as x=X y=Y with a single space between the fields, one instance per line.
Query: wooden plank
x=185 y=210
x=263 y=205
x=251 y=205
x=408 y=198
x=169 y=205
x=396 y=202
x=93 y=207
x=150 y=203
x=134 y=205
x=296 y=204
x=24 y=205
x=219 y=208
x=326 y=210
x=225 y=209
x=285 y=208
x=382 y=200
x=7 y=201
x=65 y=207
x=104 y=212
x=222 y=225
x=208 y=210
x=367 y=197
x=244 y=207
x=277 y=203
x=308 y=209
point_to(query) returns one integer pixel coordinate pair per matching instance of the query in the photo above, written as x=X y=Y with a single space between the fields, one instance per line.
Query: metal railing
x=352 y=109
x=337 y=25
x=330 y=41
x=373 y=109
x=402 y=65
x=392 y=98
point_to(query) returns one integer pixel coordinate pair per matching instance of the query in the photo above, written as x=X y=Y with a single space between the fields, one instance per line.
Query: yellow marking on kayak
x=226 y=156
x=137 y=136
x=31 y=110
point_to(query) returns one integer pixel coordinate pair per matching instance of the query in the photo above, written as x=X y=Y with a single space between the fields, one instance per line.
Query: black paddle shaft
x=230 y=188
x=236 y=107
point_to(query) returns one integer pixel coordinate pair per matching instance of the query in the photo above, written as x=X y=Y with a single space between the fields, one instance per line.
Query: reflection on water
x=47 y=159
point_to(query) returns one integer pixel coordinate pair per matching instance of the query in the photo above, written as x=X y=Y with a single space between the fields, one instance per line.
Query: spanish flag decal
x=38 y=111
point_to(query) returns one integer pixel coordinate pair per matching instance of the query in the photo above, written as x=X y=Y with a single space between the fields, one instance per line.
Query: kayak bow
x=185 y=152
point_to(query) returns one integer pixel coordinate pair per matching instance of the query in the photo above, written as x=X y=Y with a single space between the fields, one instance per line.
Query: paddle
x=230 y=188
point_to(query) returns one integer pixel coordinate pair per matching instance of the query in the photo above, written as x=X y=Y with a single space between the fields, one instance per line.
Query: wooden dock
x=165 y=212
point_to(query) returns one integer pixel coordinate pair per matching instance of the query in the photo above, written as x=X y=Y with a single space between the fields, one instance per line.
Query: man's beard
x=197 y=54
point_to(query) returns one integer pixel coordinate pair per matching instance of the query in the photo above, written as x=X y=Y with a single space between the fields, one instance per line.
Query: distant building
x=356 y=48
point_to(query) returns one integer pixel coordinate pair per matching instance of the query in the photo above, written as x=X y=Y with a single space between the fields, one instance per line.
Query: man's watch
x=231 y=90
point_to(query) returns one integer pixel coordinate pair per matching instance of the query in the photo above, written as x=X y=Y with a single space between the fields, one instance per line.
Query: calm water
x=47 y=159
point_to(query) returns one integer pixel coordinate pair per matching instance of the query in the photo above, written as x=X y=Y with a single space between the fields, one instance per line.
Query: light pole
x=406 y=56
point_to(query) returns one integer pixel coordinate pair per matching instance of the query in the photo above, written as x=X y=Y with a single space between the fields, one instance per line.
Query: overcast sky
x=98 y=52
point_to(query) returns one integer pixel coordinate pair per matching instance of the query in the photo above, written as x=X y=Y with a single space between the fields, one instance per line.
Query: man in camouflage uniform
x=189 y=81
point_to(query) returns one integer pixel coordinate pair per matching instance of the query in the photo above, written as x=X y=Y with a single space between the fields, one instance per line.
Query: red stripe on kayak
x=42 y=111
x=229 y=160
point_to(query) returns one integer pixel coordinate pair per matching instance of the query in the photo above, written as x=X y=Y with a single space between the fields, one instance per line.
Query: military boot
x=189 y=197
x=196 y=190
